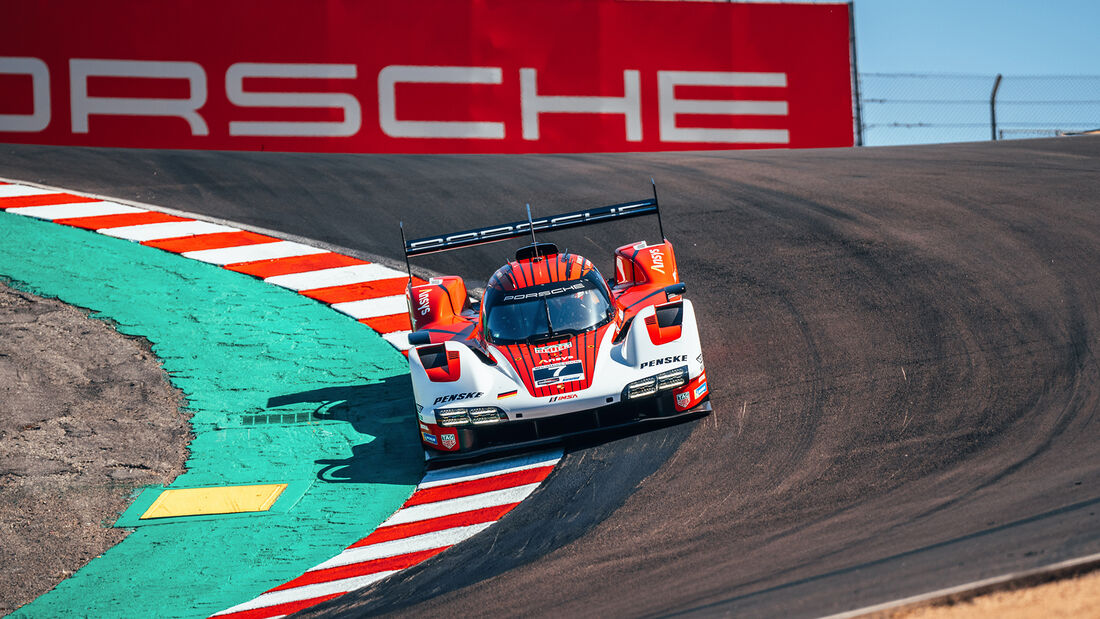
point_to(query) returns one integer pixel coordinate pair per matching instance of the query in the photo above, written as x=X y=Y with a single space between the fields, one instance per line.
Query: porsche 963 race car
x=555 y=350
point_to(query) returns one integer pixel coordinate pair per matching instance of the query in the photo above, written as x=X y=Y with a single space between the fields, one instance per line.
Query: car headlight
x=452 y=417
x=641 y=388
x=672 y=378
x=653 y=384
x=461 y=416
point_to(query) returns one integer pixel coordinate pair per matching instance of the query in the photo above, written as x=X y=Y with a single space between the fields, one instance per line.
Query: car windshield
x=547 y=311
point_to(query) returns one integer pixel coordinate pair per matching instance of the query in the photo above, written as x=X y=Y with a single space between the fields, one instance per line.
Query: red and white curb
x=371 y=293
x=448 y=506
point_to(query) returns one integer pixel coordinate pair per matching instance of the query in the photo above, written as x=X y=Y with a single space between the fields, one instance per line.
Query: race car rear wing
x=515 y=229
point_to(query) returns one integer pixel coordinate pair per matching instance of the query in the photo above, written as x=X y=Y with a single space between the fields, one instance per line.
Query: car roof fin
x=536 y=250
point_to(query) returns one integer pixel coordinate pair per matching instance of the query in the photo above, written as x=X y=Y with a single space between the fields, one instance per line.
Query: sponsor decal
x=402 y=90
x=424 y=428
x=658 y=259
x=682 y=399
x=429 y=438
x=507 y=394
x=552 y=348
x=449 y=440
x=559 y=398
x=419 y=409
x=454 y=397
x=504 y=231
x=664 y=360
x=422 y=299
x=700 y=390
x=545 y=293
x=561 y=373
x=555 y=360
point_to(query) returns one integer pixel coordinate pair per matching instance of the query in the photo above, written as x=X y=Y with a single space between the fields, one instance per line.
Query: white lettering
x=670 y=107
x=84 y=105
x=392 y=75
x=39 y=118
x=552 y=348
x=658 y=260
x=424 y=303
x=532 y=104
x=234 y=90
x=544 y=293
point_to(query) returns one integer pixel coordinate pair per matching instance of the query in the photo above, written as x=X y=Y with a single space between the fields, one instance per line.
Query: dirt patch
x=1070 y=597
x=86 y=416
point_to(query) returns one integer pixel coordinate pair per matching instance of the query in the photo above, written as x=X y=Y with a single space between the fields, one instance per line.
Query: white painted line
x=469 y=472
x=307 y=592
x=165 y=230
x=339 y=276
x=450 y=507
x=82 y=209
x=252 y=253
x=399 y=339
x=393 y=548
x=970 y=586
x=373 y=308
x=17 y=191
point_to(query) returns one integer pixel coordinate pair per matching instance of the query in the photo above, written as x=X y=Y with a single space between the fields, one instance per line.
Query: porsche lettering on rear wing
x=492 y=234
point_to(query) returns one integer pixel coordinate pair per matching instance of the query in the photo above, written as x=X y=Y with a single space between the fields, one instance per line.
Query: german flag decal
x=507 y=394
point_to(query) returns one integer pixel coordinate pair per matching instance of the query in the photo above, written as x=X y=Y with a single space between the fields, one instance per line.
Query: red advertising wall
x=425 y=76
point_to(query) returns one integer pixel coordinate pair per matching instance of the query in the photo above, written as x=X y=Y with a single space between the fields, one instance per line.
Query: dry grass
x=1077 y=597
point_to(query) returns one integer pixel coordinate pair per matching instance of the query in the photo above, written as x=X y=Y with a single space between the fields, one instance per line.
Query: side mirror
x=675 y=290
x=420 y=338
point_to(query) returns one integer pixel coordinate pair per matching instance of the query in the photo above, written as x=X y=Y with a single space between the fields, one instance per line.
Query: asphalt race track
x=901 y=345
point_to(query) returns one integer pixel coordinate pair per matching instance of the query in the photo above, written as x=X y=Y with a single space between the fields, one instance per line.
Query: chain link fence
x=923 y=108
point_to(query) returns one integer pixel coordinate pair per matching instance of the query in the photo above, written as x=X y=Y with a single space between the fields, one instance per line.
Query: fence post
x=993 y=106
x=858 y=99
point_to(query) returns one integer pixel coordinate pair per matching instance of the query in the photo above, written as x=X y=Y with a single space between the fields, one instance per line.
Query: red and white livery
x=554 y=349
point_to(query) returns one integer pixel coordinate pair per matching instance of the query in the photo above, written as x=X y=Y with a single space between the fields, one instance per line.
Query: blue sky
x=964 y=44
x=1019 y=37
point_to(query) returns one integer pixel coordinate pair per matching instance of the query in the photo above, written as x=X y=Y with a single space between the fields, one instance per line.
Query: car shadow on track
x=568 y=444
x=596 y=476
x=383 y=410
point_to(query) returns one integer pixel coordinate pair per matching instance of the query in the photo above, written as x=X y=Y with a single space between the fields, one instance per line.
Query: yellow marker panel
x=207 y=501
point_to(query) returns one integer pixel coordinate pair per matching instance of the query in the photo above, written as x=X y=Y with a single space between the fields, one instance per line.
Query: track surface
x=901 y=344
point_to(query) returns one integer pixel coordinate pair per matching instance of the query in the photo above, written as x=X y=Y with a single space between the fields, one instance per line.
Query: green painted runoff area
x=282 y=389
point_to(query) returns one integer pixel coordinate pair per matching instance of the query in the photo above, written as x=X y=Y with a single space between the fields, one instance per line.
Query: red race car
x=554 y=350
